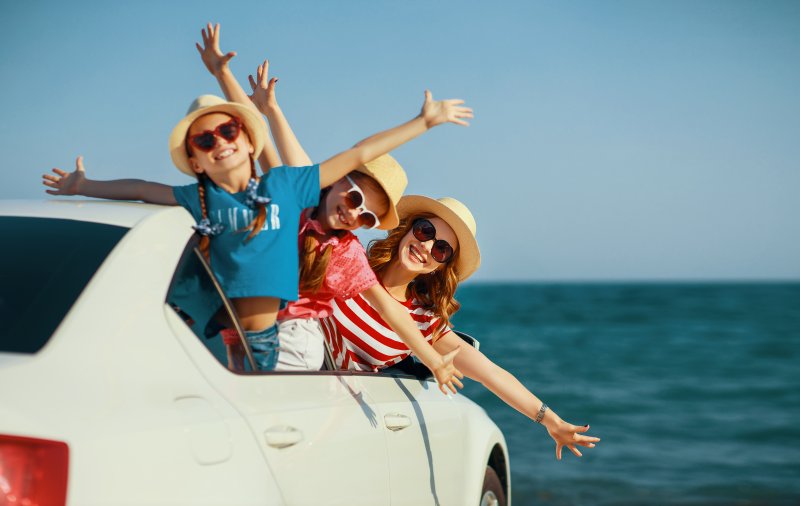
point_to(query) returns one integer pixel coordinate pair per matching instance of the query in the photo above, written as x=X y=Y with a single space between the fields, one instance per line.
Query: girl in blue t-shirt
x=249 y=224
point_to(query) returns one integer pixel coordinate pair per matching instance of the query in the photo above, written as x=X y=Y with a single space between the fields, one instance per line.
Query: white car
x=110 y=393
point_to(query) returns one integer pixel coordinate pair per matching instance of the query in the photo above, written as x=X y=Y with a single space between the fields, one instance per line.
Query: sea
x=694 y=389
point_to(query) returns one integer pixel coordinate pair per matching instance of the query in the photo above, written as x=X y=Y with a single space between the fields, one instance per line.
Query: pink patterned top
x=348 y=274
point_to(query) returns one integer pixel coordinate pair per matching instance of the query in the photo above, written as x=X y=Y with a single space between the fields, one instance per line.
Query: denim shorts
x=264 y=344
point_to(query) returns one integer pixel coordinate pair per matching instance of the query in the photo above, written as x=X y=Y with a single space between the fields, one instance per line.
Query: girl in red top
x=420 y=264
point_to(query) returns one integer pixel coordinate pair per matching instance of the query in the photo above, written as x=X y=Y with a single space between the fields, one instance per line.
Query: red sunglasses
x=206 y=141
x=424 y=231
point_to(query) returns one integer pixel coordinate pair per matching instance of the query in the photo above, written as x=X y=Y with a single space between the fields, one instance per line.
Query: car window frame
x=193 y=246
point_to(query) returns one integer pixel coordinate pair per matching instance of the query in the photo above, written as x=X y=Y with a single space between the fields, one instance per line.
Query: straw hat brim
x=390 y=176
x=177 y=147
x=469 y=255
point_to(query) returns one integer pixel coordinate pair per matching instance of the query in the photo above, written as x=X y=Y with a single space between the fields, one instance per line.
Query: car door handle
x=396 y=421
x=282 y=436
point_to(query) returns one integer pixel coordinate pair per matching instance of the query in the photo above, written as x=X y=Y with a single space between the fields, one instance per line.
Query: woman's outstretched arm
x=433 y=113
x=396 y=315
x=76 y=183
x=503 y=384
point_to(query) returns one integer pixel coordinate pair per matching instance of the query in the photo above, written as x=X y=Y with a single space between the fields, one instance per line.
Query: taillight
x=33 y=472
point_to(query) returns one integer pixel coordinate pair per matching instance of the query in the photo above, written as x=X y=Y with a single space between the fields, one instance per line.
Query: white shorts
x=302 y=345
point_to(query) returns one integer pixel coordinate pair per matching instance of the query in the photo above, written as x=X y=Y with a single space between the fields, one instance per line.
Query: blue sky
x=624 y=140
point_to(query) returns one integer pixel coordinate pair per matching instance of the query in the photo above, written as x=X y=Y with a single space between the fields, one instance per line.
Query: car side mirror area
x=413 y=367
x=468 y=339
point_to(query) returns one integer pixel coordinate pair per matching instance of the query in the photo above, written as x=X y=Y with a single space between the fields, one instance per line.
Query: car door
x=319 y=431
x=425 y=437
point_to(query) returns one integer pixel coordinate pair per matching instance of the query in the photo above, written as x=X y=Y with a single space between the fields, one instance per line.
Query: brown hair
x=313 y=262
x=259 y=220
x=435 y=290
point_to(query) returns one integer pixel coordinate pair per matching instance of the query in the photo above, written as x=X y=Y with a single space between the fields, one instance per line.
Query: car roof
x=124 y=214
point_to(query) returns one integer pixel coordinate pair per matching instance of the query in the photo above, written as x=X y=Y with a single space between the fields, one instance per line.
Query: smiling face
x=414 y=255
x=226 y=155
x=336 y=211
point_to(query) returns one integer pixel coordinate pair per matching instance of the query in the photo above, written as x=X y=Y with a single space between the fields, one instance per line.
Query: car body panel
x=152 y=417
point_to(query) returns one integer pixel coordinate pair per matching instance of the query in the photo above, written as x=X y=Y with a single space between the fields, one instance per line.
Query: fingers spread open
x=59 y=171
x=575 y=450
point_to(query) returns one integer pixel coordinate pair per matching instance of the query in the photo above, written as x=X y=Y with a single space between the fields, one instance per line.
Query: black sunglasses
x=424 y=231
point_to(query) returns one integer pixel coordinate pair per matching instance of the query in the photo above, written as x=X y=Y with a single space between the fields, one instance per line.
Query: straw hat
x=392 y=178
x=206 y=104
x=455 y=214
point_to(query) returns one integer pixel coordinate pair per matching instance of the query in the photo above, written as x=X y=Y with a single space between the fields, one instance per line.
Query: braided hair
x=260 y=218
x=258 y=222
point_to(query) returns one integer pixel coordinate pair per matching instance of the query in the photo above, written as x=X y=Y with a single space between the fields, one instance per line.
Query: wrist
x=427 y=123
x=222 y=71
x=270 y=108
x=550 y=419
x=432 y=361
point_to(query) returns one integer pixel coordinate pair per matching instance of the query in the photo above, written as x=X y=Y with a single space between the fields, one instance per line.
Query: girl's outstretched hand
x=447 y=375
x=566 y=434
x=263 y=88
x=436 y=112
x=210 y=53
x=66 y=183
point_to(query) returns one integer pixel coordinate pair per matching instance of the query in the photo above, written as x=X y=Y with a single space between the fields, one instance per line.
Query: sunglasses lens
x=367 y=220
x=441 y=251
x=205 y=141
x=424 y=230
x=354 y=199
x=229 y=131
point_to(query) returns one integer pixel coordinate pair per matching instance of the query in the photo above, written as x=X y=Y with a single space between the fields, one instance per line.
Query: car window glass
x=45 y=263
x=194 y=297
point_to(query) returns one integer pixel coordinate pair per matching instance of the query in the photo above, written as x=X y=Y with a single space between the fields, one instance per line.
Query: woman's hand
x=215 y=61
x=263 y=95
x=66 y=183
x=444 y=111
x=566 y=434
x=446 y=373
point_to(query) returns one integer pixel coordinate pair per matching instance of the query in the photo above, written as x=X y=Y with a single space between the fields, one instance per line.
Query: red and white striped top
x=361 y=340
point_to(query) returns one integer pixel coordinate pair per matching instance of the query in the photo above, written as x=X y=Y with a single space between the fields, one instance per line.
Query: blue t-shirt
x=266 y=265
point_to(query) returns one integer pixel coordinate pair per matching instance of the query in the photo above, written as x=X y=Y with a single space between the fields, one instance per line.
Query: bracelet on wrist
x=540 y=414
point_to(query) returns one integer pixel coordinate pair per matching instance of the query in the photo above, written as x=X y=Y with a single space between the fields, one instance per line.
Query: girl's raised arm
x=503 y=384
x=217 y=64
x=289 y=148
x=76 y=183
x=433 y=113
